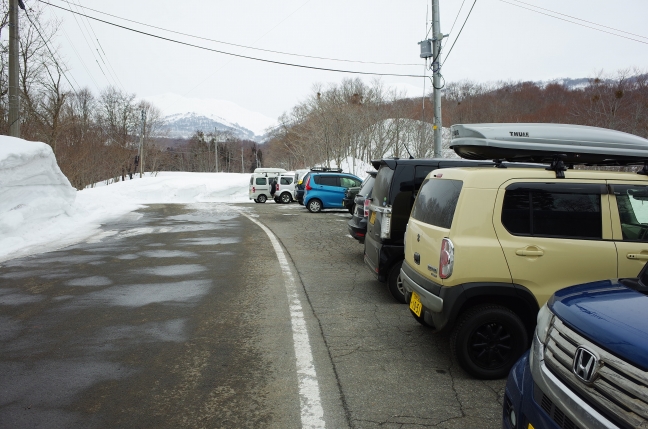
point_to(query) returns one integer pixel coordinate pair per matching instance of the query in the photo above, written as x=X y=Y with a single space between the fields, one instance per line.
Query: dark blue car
x=326 y=190
x=588 y=364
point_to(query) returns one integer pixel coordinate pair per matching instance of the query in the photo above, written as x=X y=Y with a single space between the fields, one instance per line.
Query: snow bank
x=354 y=166
x=33 y=192
x=40 y=211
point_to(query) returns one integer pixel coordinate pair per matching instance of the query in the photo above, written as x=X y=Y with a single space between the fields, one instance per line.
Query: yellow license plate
x=415 y=304
x=372 y=218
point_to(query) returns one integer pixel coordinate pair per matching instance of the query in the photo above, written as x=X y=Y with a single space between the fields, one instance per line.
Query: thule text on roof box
x=546 y=143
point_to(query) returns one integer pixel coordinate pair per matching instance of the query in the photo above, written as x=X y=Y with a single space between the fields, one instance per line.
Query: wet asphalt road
x=177 y=316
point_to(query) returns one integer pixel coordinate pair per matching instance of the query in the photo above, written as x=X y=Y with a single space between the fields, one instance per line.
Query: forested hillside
x=368 y=122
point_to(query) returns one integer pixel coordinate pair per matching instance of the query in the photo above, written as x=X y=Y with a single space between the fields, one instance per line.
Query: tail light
x=308 y=186
x=253 y=189
x=446 y=260
x=277 y=187
x=366 y=207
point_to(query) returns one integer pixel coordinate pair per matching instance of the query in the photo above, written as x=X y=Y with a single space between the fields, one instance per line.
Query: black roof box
x=573 y=144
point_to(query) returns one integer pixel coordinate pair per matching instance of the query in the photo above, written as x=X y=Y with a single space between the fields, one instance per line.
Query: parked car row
x=488 y=249
x=534 y=268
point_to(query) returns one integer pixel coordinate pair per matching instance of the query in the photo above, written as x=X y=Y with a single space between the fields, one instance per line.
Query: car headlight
x=545 y=317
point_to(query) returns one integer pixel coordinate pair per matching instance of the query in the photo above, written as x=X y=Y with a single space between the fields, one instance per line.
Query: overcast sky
x=499 y=42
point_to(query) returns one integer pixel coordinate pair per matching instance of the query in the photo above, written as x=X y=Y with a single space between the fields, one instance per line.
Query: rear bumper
x=380 y=258
x=358 y=228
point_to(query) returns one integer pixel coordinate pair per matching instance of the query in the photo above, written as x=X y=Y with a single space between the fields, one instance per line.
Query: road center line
x=312 y=414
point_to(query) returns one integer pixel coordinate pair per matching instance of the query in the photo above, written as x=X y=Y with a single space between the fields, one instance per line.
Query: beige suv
x=486 y=247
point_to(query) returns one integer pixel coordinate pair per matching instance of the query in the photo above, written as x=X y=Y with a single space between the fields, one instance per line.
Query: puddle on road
x=172 y=270
x=90 y=281
x=187 y=291
x=19 y=299
x=168 y=254
x=210 y=241
x=128 y=256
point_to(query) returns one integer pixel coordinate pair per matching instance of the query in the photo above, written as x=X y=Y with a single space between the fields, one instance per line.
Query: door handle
x=530 y=251
x=638 y=256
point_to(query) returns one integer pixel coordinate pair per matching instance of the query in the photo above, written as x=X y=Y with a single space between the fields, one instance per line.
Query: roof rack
x=555 y=144
x=326 y=169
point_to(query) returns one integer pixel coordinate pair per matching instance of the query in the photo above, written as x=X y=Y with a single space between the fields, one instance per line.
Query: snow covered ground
x=40 y=211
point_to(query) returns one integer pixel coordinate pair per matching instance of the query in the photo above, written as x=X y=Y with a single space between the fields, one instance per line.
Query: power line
x=103 y=57
x=459 y=34
x=230 y=53
x=232 y=44
x=60 y=69
x=580 y=19
x=576 y=23
x=456 y=17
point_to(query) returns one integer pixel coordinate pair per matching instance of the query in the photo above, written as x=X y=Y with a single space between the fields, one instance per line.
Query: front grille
x=552 y=410
x=619 y=391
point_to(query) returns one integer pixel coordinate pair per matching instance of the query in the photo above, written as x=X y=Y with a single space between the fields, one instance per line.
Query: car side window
x=328 y=180
x=420 y=173
x=559 y=210
x=347 y=182
x=261 y=181
x=632 y=202
x=286 y=180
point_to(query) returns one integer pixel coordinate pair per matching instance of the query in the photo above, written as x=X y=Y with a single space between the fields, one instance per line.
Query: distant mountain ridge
x=183 y=116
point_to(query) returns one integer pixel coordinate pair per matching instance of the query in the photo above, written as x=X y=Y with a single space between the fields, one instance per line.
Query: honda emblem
x=586 y=364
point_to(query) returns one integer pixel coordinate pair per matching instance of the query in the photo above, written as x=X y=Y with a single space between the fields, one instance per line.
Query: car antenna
x=408 y=152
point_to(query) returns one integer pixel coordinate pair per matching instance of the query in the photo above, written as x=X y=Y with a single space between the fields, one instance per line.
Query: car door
x=629 y=211
x=346 y=183
x=329 y=190
x=261 y=186
x=555 y=234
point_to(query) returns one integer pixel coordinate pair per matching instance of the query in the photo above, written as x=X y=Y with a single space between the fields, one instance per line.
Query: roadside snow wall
x=33 y=190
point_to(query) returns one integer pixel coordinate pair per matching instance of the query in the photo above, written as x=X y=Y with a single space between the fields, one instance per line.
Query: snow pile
x=354 y=166
x=40 y=211
x=33 y=191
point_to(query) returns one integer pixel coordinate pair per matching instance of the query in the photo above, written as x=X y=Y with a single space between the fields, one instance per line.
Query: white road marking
x=312 y=414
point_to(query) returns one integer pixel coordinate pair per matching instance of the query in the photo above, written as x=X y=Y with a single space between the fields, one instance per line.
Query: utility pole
x=216 y=149
x=141 y=148
x=242 y=165
x=14 y=91
x=437 y=37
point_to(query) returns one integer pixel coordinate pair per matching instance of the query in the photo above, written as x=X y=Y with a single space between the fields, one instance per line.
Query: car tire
x=261 y=199
x=395 y=283
x=314 y=206
x=285 y=198
x=488 y=340
x=256 y=201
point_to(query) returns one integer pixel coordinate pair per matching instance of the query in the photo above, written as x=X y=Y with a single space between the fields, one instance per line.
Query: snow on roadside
x=40 y=211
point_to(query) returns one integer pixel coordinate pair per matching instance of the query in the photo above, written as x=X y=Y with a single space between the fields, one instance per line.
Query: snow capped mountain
x=185 y=115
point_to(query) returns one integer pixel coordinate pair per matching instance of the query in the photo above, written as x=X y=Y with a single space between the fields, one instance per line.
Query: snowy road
x=181 y=316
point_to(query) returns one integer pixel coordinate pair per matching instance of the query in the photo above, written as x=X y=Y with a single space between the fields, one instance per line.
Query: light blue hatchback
x=326 y=190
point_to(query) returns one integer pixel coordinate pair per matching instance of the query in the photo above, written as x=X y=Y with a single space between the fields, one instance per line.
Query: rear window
x=436 y=202
x=559 y=210
x=367 y=185
x=382 y=185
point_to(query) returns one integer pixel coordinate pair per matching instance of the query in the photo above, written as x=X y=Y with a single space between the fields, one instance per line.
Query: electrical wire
x=60 y=69
x=580 y=19
x=456 y=17
x=232 y=44
x=459 y=34
x=576 y=23
x=104 y=57
x=229 y=53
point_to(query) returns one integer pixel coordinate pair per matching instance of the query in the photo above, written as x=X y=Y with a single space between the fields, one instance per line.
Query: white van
x=285 y=188
x=260 y=183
